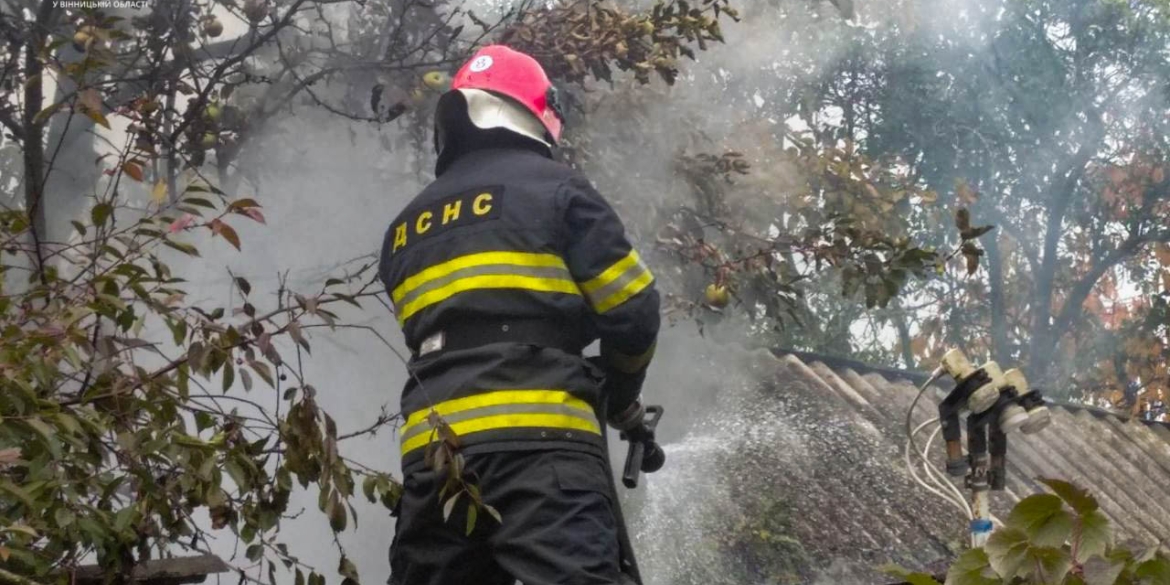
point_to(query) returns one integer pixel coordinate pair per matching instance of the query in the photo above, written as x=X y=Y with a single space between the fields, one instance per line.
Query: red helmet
x=509 y=73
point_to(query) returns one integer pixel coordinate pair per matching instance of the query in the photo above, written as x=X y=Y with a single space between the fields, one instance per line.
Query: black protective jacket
x=500 y=272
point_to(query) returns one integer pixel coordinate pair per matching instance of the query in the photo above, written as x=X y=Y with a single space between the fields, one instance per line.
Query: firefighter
x=501 y=272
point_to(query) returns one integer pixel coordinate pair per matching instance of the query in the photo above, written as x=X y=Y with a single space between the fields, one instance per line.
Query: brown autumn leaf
x=90 y=101
x=254 y=214
x=975 y=232
x=220 y=228
x=963 y=219
x=133 y=170
x=972 y=253
x=1162 y=253
x=918 y=345
x=90 y=98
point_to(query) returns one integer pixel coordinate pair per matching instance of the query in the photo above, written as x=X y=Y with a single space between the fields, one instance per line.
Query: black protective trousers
x=558 y=524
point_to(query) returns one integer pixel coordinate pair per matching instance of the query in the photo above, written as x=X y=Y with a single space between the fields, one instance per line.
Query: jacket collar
x=486 y=141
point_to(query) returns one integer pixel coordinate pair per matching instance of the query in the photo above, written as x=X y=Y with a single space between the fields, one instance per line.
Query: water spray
x=996 y=404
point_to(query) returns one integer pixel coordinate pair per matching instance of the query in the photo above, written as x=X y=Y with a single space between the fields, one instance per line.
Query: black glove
x=621 y=389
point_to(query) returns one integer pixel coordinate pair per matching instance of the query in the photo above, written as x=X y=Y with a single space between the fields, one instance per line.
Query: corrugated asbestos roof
x=864 y=506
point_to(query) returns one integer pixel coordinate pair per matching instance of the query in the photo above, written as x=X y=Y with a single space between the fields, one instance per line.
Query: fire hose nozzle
x=654 y=458
x=644 y=455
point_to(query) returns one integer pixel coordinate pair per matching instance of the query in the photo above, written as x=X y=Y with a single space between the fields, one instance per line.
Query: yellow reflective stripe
x=496 y=398
x=478 y=259
x=634 y=287
x=629 y=364
x=508 y=421
x=487 y=281
x=612 y=273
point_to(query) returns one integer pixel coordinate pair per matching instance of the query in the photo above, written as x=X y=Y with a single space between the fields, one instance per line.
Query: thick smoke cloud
x=330 y=188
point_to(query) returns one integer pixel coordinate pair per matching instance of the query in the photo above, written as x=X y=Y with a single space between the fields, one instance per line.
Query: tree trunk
x=1000 y=348
x=34 y=140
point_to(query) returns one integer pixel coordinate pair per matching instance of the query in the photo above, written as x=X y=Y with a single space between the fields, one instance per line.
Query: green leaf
x=68 y=423
x=21 y=528
x=124 y=518
x=1077 y=499
x=46 y=113
x=300 y=578
x=1048 y=565
x=204 y=420
x=183 y=381
x=187 y=249
x=471 y=514
x=971 y=568
x=254 y=552
x=294 y=331
x=919 y=579
x=47 y=435
x=100 y=213
x=238 y=475
x=347 y=569
x=178 y=329
x=229 y=376
x=1043 y=518
x=97 y=117
x=391 y=496
x=283 y=479
x=64 y=517
x=368 y=486
x=1094 y=535
x=263 y=371
x=1007 y=551
x=337 y=516
x=449 y=506
x=199 y=201
x=1155 y=571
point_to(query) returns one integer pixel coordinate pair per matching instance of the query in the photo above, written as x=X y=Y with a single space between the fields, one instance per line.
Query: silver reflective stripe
x=598 y=296
x=423 y=427
x=555 y=272
x=432 y=344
